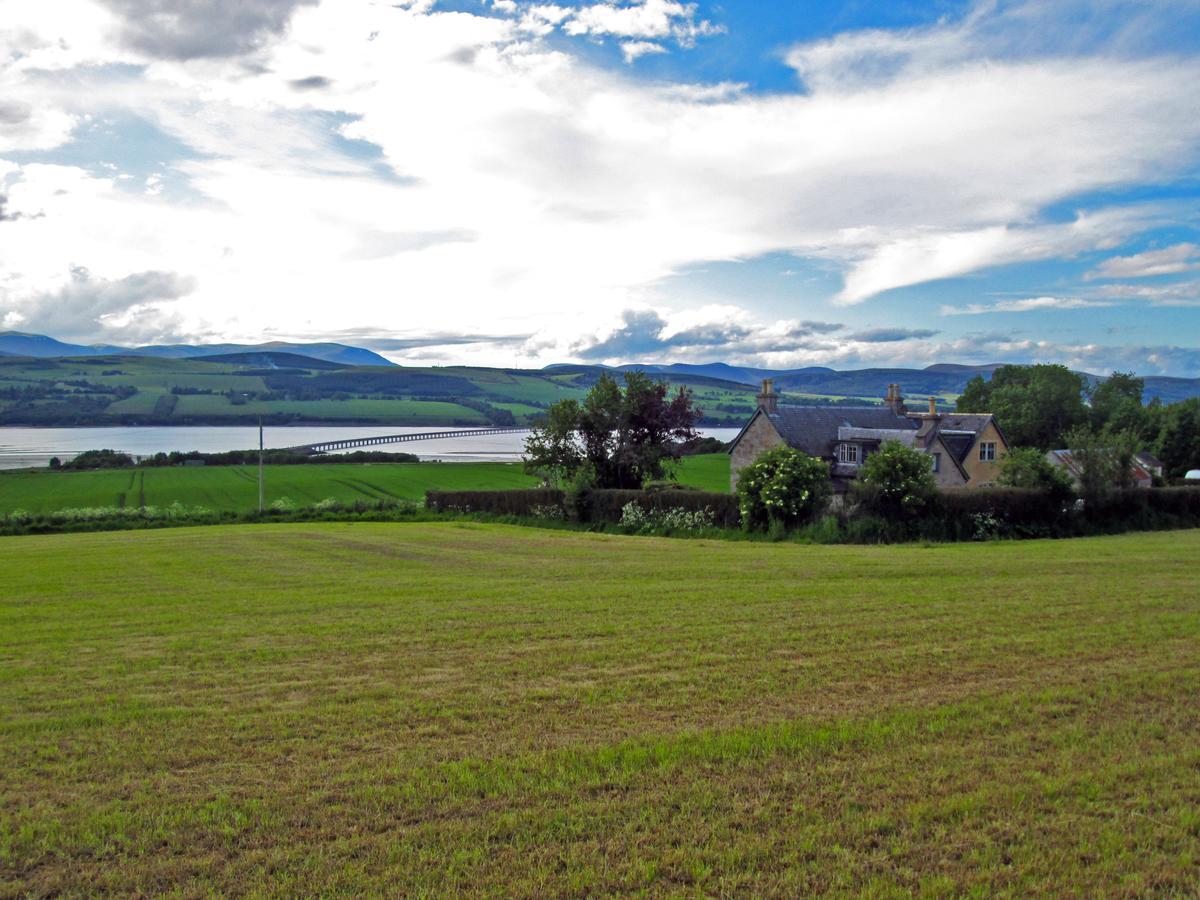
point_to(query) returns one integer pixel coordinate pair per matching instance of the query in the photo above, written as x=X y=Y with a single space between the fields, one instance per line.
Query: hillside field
x=236 y=487
x=109 y=390
x=438 y=708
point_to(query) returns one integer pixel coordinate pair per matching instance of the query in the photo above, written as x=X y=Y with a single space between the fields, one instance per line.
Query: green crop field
x=456 y=708
x=236 y=487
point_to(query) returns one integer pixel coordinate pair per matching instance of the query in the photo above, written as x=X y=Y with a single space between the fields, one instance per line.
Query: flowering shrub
x=98 y=513
x=676 y=518
x=986 y=526
x=783 y=488
x=896 y=482
x=283 y=504
x=551 y=511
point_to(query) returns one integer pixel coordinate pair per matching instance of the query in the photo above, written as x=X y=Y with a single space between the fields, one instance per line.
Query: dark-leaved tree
x=1035 y=405
x=1117 y=404
x=620 y=438
x=1179 y=442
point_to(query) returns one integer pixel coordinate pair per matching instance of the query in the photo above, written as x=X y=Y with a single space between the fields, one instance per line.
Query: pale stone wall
x=982 y=472
x=948 y=475
x=760 y=436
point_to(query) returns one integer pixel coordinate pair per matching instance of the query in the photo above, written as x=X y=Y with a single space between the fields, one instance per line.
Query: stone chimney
x=933 y=406
x=894 y=400
x=767 y=398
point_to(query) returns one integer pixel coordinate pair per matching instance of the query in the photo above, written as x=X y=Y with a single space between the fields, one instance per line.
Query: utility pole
x=260 y=466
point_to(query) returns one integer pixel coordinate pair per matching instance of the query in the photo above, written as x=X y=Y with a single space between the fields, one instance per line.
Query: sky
x=520 y=183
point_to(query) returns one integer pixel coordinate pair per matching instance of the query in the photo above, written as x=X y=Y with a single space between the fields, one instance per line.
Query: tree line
x=1049 y=407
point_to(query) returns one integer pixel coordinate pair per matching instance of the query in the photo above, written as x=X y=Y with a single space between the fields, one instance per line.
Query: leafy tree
x=1179 y=440
x=783 y=487
x=896 y=481
x=1104 y=459
x=1035 y=405
x=1117 y=404
x=553 y=451
x=618 y=438
x=1027 y=467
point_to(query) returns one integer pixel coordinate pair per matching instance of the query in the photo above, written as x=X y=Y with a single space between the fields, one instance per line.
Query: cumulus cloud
x=90 y=308
x=1167 y=261
x=1028 y=304
x=708 y=333
x=194 y=29
x=639 y=19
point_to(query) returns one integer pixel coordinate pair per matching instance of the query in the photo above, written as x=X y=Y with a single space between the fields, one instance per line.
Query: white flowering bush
x=986 y=526
x=284 y=504
x=783 y=488
x=551 y=511
x=676 y=518
x=896 y=482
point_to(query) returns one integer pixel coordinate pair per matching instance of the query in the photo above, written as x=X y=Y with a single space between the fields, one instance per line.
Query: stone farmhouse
x=964 y=449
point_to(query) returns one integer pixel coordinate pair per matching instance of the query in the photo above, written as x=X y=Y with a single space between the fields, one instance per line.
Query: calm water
x=24 y=447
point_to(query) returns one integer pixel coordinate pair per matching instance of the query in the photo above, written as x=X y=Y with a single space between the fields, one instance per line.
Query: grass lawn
x=236 y=487
x=456 y=707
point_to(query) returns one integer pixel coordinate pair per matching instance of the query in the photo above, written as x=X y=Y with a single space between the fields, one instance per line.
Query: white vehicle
x=1192 y=475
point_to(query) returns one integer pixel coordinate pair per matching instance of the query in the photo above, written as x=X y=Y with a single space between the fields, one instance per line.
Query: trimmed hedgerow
x=533 y=502
x=598 y=506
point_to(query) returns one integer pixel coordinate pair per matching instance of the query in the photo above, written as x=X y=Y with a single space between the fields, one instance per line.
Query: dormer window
x=848 y=454
x=987 y=451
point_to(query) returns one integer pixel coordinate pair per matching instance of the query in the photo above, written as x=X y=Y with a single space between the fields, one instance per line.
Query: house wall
x=948 y=475
x=760 y=436
x=982 y=472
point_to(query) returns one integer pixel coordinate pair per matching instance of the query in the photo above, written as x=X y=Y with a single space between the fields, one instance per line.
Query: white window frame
x=848 y=454
x=937 y=461
x=987 y=451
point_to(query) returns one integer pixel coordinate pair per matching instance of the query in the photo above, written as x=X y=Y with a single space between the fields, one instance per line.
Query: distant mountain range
x=15 y=343
x=943 y=379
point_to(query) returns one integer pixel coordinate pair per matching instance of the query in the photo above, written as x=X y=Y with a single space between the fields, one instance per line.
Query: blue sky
x=516 y=182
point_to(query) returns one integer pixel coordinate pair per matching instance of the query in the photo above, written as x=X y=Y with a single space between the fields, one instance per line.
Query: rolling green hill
x=288 y=389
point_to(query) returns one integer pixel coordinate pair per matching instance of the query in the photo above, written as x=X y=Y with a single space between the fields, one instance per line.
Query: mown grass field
x=236 y=487
x=455 y=707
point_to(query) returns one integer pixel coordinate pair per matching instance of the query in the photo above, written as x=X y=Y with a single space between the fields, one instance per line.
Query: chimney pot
x=933 y=406
x=768 y=399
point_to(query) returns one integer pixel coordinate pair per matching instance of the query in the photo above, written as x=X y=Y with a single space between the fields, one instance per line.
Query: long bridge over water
x=350 y=443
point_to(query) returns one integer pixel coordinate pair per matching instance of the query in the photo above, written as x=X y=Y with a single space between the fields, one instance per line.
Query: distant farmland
x=236 y=487
x=149 y=390
x=461 y=708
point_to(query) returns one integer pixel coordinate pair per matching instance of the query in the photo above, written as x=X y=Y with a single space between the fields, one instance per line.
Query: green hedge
x=530 y=502
x=980 y=513
x=592 y=506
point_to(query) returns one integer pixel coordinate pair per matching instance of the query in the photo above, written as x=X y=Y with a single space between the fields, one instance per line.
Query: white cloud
x=1180 y=293
x=517 y=189
x=1167 y=261
x=634 y=50
x=640 y=19
x=1029 y=304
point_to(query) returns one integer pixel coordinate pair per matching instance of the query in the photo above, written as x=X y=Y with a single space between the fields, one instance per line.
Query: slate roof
x=814 y=429
x=1148 y=460
x=958 y=444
